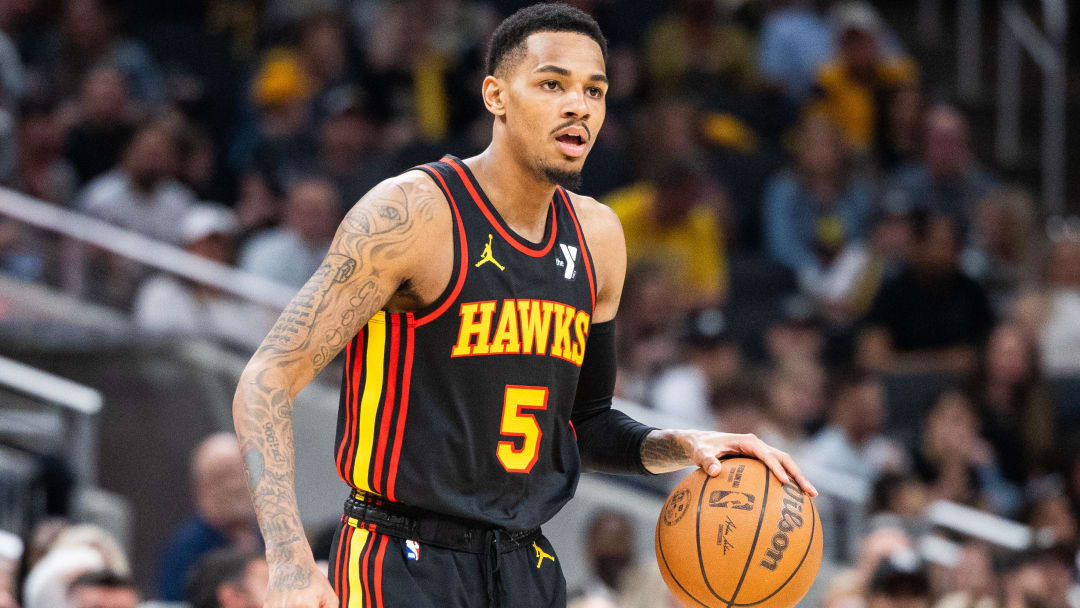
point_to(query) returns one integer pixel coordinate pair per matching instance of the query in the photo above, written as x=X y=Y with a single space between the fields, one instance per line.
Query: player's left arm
x=610 y=440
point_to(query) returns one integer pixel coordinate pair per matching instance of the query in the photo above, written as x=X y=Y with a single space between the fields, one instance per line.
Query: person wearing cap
x=169 y=306
x=712 y=358
x=854 y=87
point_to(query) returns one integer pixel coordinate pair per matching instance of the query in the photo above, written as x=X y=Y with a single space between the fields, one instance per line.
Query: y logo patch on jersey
x=412 y=550
x=487 y=256
x=541 y=555
x=569 y=260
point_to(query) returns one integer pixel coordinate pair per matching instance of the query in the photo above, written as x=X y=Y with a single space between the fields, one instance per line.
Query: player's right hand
x=299 y=585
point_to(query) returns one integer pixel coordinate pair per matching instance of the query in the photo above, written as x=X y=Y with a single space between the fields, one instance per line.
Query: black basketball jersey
x=463 y=408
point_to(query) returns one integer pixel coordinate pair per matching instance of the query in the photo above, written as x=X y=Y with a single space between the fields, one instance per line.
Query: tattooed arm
x=373 y=256
x=662 y=451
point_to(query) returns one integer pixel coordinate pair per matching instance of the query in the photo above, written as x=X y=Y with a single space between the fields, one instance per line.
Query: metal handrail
x=147 y=251
x=1046 y=47
x=1017 y=35
x=80 y=403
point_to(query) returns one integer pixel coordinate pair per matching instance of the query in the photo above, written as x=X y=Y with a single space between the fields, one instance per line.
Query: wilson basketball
x=740 y=539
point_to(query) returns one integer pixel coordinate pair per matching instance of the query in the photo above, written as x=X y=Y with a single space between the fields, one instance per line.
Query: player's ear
x=493 y=92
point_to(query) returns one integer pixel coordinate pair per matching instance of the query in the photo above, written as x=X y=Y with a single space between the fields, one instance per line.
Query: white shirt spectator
x=158 y=214
x=684 y=391
x=166 y=305
x=281 y=255
x=831 y=448
x=1060 y=342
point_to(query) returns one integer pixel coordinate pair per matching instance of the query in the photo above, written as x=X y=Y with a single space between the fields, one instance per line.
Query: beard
x=571 y=180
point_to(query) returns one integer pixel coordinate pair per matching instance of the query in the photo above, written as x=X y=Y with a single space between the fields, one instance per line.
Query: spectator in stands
x=11 y=553
x=616 y=574
x=323 y=51
x=948 y=180
x=1053 y=518
x=900 y=581
x=258 y=207
x=797 y=336
x=902 y=131
x=898 y=500
x=674 y=220
x=972 y=581
x=348 y=155
x=796 y=405
x=88 y=38
x=1038 y=579
x=610 y=544
x=853 y=441
x=285 y=147
x=228 y=578
x=142 y=193
x=224 y=514
x=738 y=406
x=930 y=318
x=1013 y=404
x=957 y=463
x=712 y=359
x=47 y=583
x=43 y=172
x=1001 y=253
x=167 y=306
x=1052 y=314
x=645 y=330
x=291 y=253
x=794 y=43
x=698 y=46
x=102 y=589
x=855 y=87
x=105 y=124
x=817 y=210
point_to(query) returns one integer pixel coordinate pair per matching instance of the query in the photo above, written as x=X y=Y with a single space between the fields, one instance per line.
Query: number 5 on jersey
x=517 y=422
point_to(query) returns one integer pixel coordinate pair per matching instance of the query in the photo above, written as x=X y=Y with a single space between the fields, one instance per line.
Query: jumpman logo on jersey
x=487 y=256
x=541 y=555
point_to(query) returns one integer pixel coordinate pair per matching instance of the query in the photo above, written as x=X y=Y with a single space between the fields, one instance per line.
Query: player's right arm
x=373 y=255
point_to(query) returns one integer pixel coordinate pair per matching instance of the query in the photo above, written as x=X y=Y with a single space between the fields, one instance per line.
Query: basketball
x=740 y=539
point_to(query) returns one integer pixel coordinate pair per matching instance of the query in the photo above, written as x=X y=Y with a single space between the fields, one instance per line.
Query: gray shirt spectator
x=291 y=253
x=948 y=181
x=140 y=194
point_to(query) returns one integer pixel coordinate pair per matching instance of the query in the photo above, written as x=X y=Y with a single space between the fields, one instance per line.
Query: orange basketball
x=740 y=539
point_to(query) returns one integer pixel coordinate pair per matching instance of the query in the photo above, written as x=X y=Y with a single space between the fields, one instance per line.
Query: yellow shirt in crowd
x=692 y=250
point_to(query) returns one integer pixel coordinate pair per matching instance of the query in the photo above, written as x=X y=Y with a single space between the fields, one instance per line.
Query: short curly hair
x=508 y=41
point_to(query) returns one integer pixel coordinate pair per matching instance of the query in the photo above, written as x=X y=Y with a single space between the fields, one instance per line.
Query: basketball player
x=474 y=300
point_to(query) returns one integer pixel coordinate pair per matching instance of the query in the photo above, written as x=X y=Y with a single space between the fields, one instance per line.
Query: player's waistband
x=410 y=523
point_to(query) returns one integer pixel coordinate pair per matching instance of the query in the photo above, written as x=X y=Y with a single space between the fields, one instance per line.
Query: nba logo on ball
x=412 y=550
x=738 y=540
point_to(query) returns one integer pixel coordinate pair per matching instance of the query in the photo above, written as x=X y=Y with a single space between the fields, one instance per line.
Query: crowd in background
x=818 y=252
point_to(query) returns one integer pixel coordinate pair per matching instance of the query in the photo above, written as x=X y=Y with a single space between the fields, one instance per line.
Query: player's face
x=556 y=101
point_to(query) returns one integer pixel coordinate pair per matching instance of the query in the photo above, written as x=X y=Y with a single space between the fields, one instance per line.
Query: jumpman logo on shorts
x=541 y=555
x=487 y=256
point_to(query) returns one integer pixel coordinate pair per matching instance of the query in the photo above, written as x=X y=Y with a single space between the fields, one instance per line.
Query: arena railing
x=1017 y=35
x=79 y=406
x=86 y=230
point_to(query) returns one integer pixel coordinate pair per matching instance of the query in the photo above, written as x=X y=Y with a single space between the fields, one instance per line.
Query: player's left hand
x=705 y=448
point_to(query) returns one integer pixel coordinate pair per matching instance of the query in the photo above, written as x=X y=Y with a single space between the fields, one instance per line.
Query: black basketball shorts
x=372 y=569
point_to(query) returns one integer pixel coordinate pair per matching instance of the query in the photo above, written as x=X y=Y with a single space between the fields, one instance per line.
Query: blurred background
x=849 y=226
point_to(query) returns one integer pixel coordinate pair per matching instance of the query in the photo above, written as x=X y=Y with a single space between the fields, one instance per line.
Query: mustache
x=571 y=123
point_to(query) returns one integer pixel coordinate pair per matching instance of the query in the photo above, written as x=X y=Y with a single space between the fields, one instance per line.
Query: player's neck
x=520 y=198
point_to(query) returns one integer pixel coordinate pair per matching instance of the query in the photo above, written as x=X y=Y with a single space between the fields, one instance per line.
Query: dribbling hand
x=705 y=448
